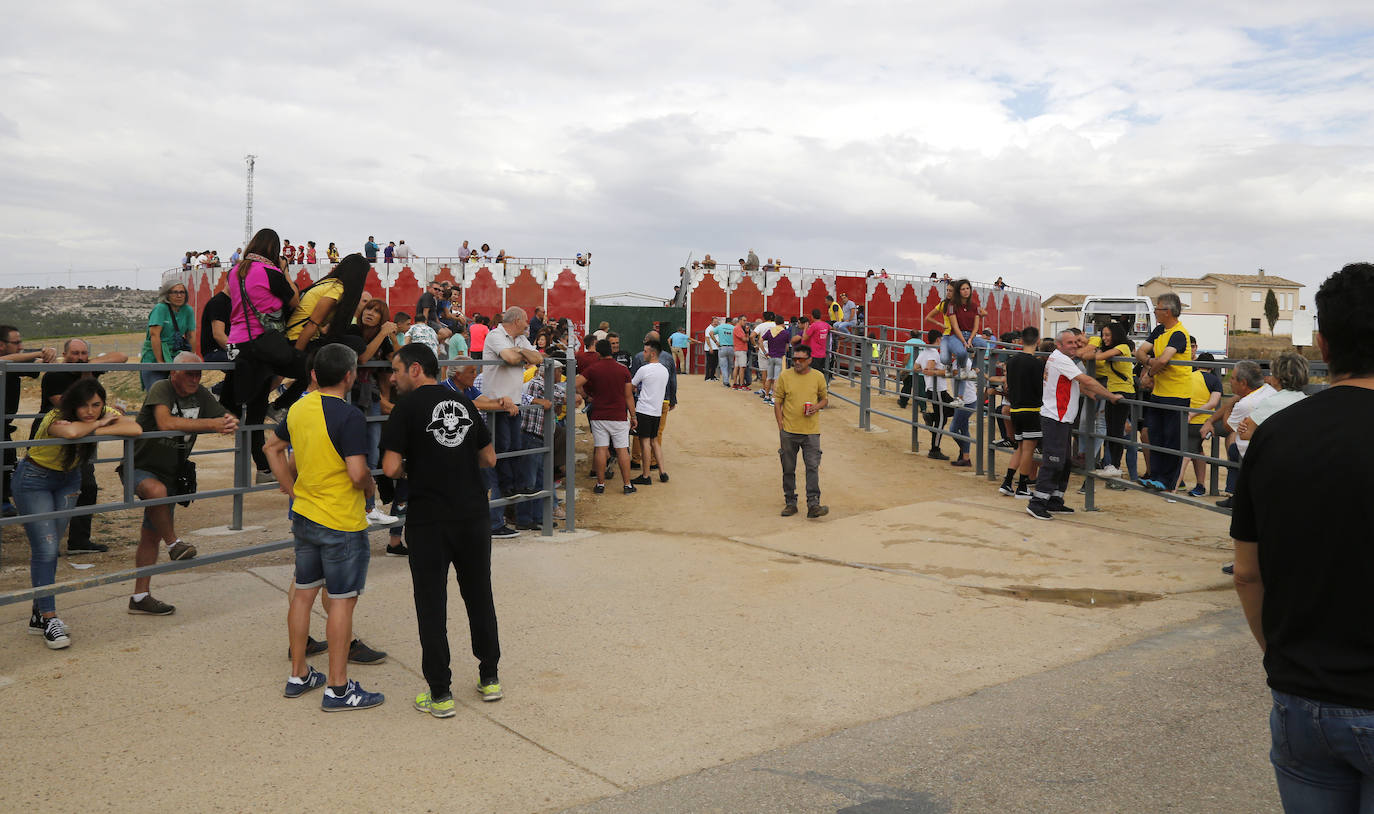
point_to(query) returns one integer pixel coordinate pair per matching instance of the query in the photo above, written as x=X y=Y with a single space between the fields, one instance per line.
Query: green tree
x=1271 y=310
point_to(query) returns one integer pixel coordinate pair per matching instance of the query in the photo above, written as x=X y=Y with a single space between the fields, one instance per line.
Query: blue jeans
x=38 y=489
x=374 y=444
x=727 y=364
x=960 y=425
x=149 y=377
x=533 y=511
x=508 y=477
x=1323 y=755
x=1232 y=455
x=951 y=347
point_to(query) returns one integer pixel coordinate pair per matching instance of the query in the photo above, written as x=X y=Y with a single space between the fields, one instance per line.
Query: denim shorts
x=329 y=557
x=140 y=475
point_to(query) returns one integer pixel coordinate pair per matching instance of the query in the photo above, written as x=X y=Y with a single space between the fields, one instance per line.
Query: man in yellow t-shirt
x=799 y=395
x=1171 y=385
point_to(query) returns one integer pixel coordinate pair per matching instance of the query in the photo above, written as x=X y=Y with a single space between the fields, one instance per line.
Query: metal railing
x=242 y=468
x=868 y=358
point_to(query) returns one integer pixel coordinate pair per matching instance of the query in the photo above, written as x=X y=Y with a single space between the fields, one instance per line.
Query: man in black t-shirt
x=1304 y=563
x=53 y=384
x=218 y=309
x=438 y=431
x=1025 y=394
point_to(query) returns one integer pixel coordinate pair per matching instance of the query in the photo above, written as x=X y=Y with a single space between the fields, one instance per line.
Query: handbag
x=179 y=343
x=270 y=346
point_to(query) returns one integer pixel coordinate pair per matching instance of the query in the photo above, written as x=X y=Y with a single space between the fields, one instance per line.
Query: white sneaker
x=559 y=513
x=377 y=517
x=1108 y=471
x=955 y=404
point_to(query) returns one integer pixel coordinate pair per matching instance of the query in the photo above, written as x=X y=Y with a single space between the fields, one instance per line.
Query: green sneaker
x=491 y=691
x=443 y=708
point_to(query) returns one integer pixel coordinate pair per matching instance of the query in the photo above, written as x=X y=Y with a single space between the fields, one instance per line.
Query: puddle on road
x=1078 y=597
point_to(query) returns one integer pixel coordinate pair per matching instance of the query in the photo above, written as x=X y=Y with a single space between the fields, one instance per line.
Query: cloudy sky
x=1068 y=146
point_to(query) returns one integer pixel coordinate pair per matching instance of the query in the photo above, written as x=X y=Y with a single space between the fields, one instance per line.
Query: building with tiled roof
x=1241 y=296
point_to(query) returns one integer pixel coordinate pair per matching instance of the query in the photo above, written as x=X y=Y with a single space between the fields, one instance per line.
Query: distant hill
x=61 y=312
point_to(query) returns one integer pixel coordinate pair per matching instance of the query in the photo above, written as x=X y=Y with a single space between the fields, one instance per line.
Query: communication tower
x=248 y=208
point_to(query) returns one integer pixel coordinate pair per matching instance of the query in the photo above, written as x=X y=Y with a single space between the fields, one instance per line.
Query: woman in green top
x=49 y=479
x=1116 y=356
x=170 y=326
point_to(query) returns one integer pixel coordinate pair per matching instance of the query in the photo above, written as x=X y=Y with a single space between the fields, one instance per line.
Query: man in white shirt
x=508 y=344
x=403 y=251
x=711 y=346
x=937 y=410
x=1064 y=381
x=1250 y=388
x=651 y=386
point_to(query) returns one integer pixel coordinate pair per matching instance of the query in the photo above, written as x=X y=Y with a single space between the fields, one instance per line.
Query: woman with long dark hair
x=270 y=296
x=372 y=392
x=49 y=479
x=324 y=314
x=1116 y=356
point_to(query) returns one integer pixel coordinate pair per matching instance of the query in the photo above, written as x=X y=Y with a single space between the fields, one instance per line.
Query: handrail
x=850 y=273
x=240 y=470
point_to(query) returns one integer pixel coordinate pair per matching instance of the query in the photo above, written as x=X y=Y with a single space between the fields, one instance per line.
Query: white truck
x=1213 y=331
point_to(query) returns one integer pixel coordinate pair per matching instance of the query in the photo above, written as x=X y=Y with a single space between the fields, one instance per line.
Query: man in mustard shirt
x=1171 y=385
x=798 y=397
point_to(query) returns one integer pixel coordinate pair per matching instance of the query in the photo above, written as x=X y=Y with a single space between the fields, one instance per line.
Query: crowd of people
x=393 y=252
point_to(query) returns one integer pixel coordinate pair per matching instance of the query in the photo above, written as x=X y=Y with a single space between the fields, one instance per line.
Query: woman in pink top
x=270 y=294
x=477 y=336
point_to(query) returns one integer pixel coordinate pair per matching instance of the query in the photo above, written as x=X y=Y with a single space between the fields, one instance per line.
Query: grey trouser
x=1054 y=459
x=810 y=446
x=727 y=364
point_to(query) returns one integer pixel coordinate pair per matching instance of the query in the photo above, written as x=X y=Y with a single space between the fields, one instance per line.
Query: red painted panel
x=525 y=292
x=483 y=296
x=814 y=300
x=372 y=286
x=568 y=300
x=303 y=280
x=221 y=282
x=881 y=310
x=708 y=300
x=445 y=275
x=199 y=293
x=909 y=310
x=784 y=301
x=747 y=299
x=855 y=287
x=996 y=316
x=404 y=293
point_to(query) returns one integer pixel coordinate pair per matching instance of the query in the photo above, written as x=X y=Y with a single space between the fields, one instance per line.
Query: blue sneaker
x=296 y=687
x=354 y=697
x=1197 y=491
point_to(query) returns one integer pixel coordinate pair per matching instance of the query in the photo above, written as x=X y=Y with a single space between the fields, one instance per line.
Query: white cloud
x=1066 y=146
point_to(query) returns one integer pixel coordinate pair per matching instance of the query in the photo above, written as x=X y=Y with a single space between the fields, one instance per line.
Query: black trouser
x=466 y=544
x=255 y=412
x=79 y=527
x=1053 y=479
x=10 y=459
x=907 y=380
x=712 y=362
x=1117 y=416
x=1166 y=430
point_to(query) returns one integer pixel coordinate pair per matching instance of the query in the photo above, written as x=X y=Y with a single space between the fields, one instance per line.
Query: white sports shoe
x=1108 y=471
x=377 y=517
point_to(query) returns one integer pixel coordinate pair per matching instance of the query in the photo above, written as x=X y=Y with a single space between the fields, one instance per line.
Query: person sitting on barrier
x=1059 y=407
x=937 y=400
x=968 y=397
x=960 y=321
x=1249 y=389
x=1025 y=395
x=324 y=314
x=49 y=479
x=162 y=467
x=849 y=314
x=912 y=348
x=170 y=326
x=52 y=387
x=326 y=480
x=1171 y=385
x=1206 y=396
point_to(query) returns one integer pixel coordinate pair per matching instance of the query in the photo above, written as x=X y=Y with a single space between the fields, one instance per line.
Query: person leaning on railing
x=1171 y=385
x=1249 y=389
x=13 y=351
x=49 y=479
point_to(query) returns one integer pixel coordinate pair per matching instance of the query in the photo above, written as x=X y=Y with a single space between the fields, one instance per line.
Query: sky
x=1063 y=145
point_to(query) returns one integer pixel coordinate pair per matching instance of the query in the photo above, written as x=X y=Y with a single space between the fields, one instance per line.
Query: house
x=1060 y=311
x=1241 y=296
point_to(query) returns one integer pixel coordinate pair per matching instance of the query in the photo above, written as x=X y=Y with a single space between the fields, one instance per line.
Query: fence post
x=988 y=430
x=980 y=356
x=129 y=470
x=547 y=474
x=882 y=359
x=1087 y=429
x=570 y=436
x=4 y=496
x=241 y=454
x=865 y=384
x=1216 y=453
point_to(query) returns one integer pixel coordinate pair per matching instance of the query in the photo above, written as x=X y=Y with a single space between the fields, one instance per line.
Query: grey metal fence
x=868 y=363
x=242 y=469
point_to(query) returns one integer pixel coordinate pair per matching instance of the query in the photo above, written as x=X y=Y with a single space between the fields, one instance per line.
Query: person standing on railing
x=370 y=249
x=162 y=467
x=1171 y=386
x=1025 y=395
x=170 y=326
x=1301 y=525
x=436 y=432
x=800 y=396
x=52 y=387
x=1064 y=381
x=49 y=479
x=326 y=479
